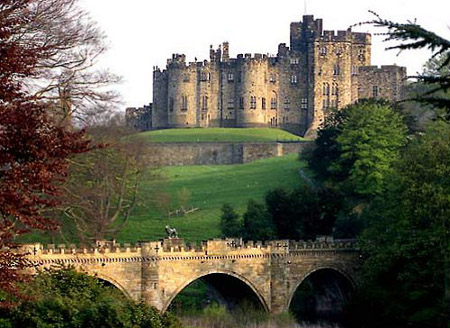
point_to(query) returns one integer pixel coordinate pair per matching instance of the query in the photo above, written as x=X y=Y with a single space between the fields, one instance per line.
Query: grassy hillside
x=210 y=187
x=218 y=134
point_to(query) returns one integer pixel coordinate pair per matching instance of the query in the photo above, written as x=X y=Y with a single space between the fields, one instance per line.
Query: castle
x=294 y=90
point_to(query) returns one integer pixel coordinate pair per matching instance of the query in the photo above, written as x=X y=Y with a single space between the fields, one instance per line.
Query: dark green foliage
x=407 y=242
x=257 y=224
x=303 y=213
x=230 y=225
x=326 y=149
x=280 y=207
x=68 y=299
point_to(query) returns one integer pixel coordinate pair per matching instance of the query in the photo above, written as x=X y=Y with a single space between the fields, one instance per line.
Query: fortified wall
x=295 y=89
x=220 y=153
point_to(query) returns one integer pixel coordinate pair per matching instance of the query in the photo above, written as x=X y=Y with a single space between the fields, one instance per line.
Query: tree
x=359 y=144
x=257 y=224
x=303 y=213
x=34 y=150
x=67 y=76
x=326 y=149
x=407 y=242
x=103 y=185
x=413 y=36
x=66 y=298
x=371 y=139
x=230 y=225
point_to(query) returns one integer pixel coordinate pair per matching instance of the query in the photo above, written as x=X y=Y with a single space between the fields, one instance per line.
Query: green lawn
x=210 y=187
x=218 y=134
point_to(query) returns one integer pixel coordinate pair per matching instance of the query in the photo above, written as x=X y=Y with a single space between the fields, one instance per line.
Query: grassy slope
x=210 y=186
x=218 y=134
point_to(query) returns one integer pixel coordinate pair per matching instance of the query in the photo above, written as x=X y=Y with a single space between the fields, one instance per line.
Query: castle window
x=231 y=103
x=171 y=104
x=230 y=77
x=184 y=103
x=336 y=70
x=252 y=102
x=333 y=103
x=326 y=89
x=323 y=51
x=295 y=61
x=186 y=78
x=304 y=103
x=272 y=78
x=205 y=76
x=287 y=104
x=241 y=103
x=335 y=89
x=320 y=71
x=354 y=70
x=263 y=103
x=204 y=103
x=375 y=91
x=293 y=79
x=273 y=103
x=326 y=103
x=339 y=51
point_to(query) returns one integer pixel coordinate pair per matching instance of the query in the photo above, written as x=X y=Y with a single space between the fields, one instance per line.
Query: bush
x=67 y=299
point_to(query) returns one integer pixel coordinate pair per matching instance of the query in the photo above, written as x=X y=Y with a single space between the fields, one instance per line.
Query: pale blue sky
x=144 y=33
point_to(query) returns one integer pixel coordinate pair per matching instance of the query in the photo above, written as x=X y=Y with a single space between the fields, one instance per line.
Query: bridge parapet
x=169 y=247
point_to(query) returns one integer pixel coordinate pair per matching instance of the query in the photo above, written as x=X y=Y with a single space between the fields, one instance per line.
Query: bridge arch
x=113 y=282
x=339 y=271
x=235 y=275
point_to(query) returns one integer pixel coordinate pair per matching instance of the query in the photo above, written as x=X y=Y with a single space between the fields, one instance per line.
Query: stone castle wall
x=219 y=153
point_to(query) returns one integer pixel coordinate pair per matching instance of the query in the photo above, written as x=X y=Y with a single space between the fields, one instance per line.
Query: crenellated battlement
x=177 y=246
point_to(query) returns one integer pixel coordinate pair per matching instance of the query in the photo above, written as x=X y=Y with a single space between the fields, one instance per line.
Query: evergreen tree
x=257 y=224
x=230 y=225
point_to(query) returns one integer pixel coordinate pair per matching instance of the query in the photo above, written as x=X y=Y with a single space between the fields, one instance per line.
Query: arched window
x=274 y=101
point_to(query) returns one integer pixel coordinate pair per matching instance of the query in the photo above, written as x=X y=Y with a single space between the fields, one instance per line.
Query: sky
x=145 y=33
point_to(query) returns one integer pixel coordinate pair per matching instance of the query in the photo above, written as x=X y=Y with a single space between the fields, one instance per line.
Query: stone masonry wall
x=219 y=153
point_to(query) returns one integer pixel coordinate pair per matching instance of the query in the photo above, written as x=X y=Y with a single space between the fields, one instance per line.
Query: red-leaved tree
x=33 y=148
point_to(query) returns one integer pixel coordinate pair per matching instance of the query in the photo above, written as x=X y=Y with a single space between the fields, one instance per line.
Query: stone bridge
x=155 y=272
